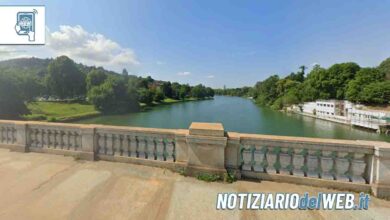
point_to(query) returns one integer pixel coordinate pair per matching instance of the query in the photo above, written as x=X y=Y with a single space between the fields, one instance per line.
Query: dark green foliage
x=384 y=68
x=340 y=81
x=267 y=90
x=24 y=80
x=199 y=91
x=11 y=99
x=64 y=79
x=159 y=95
x=184 y=91
x=112 y=96
x=145 y=96
x=241 y=92
x=366 y=77
x=166 y=89
x=377 y=92
x=95 y=78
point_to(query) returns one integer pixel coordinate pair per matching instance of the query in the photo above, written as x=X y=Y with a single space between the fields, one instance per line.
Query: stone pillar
x=206 y=148
x=181 y=146
x=88 y=142
x=381 y=169
x=232 y=153
x=21 y=137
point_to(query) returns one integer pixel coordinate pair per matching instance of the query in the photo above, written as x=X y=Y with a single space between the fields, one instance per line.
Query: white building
x=309 y=108
x=328 y=108
x=369 y=118
x=348 y=113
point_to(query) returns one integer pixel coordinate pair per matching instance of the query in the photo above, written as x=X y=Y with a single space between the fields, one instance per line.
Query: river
x=236 y=114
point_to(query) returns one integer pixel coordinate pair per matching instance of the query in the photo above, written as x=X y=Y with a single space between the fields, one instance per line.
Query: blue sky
x=232 y=43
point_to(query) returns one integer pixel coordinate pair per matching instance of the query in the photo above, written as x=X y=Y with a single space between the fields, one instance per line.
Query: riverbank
x=237 y=115
x=168 y=101
x=70 y=112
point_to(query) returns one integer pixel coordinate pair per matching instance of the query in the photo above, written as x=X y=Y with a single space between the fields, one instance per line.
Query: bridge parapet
x=205 y=147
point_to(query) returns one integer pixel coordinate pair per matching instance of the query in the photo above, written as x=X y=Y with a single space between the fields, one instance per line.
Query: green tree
x=363 y=78
x=11 y=100
x=267 y=90
x=210 y=92
x=29 y=86
x=159 y=95
x=145 y=96
x=384 y=68
x=199 y=91
x=166 y=88
x=176 y=90
x=184 y=91
x=376 y=93
x=112 y=96
x=64 y=79
x=95 y=77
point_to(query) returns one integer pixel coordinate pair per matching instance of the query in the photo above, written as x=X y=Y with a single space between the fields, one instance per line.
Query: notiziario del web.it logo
x=22 y=25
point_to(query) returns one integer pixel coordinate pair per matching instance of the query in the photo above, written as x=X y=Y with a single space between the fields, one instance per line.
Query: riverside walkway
x=45 y=186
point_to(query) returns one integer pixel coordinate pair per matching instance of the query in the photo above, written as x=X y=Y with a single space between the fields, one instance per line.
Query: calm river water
x=236 y=114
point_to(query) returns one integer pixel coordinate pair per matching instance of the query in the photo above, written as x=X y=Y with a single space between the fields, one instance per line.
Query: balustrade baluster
x=259 y=160
x=342 y=167
x=169 y=150
x=327 y=165
x=45 y=143
x=247 y=157
x=313 y=164
x=49 y=139
x=160 y=149
x=299 y=167
x=125 y=146
x=141 y=147
x=110 y=144
x=272 y=160
x=118 y=145
x=57 y=136
x=7 y=133
x=358 y=168
x=133 y=146
x=285 y=161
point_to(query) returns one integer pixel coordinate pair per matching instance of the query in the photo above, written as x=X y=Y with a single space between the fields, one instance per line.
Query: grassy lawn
x=62 y=111
x=59 y=111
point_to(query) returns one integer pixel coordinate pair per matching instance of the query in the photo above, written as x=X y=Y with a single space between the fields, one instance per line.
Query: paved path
x=41 y=186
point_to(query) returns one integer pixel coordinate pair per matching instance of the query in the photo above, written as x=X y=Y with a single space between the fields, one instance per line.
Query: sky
x=216 y=43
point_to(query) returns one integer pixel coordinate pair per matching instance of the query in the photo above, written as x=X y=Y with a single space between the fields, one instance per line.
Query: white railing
x=150 y=144
x=7 y=133
x=344 y=164
x=336 y=161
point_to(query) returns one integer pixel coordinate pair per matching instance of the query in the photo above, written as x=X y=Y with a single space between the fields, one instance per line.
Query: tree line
x=342 y=81
x=60 y=79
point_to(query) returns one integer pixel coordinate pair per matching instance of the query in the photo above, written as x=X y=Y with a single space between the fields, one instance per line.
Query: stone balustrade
x=206 y=147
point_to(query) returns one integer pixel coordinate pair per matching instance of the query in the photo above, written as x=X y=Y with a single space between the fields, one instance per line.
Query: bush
x=208 y=177
x=35 y=117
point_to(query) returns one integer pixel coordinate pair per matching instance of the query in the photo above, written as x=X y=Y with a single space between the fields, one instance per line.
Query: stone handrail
x=206 y=147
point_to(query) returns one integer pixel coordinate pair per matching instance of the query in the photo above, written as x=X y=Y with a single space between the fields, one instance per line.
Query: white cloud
x=210 y=76
x=160 y=62
x=183 y=73
x=90 y=48
x=80 y=45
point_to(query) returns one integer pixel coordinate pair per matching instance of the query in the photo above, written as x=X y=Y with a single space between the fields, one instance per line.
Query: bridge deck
x=40 y=186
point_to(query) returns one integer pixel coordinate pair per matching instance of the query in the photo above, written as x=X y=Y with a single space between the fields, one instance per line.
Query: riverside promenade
x=45 y=186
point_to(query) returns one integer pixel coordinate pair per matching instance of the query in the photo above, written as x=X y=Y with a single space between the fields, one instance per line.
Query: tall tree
x=384 y=67
x=95 y=77
x=64 y=79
